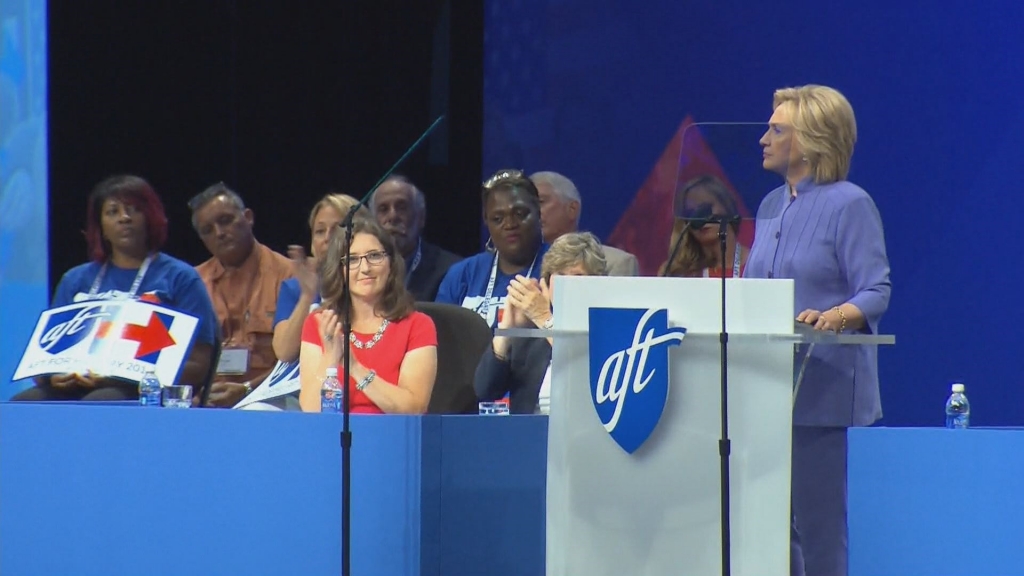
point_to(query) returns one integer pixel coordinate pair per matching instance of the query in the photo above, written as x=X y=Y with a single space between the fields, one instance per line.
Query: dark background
x=283 y=101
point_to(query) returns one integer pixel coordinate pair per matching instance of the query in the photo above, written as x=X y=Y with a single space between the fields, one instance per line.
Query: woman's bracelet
x=842 y=318
x=366 y=380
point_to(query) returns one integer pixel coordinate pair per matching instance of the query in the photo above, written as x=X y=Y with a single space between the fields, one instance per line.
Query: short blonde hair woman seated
x=393 y=348
x=300 y=294
x=521 y=367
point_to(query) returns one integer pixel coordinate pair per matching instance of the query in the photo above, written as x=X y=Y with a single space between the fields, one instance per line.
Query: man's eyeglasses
x=375 y=258
x=504 y=175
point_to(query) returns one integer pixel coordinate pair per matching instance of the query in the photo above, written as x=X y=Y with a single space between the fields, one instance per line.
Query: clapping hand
x=512 y=317
x=531 y=298
x=331 y=336
x=304 y=270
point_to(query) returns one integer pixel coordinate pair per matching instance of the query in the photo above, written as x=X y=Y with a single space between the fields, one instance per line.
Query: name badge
x=233 y=361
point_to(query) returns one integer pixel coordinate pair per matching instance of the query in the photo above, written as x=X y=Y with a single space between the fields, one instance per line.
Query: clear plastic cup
x=499 y=408
x=177 y=396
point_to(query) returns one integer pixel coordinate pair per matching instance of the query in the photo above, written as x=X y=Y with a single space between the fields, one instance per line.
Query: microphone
x=697 y=219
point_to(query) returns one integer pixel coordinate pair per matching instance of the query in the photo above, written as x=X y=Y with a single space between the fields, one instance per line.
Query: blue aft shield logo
x=629 y=370
x=65 y=329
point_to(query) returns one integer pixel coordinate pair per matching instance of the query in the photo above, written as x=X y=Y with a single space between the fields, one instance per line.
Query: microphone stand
x=346 y=333
x=346 y=402
x=724 y=444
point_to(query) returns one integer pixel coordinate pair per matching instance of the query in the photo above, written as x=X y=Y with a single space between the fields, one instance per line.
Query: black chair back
x=462 y=338
x=211 y=372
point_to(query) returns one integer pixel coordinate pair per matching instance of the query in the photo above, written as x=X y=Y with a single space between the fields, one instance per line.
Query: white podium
x=657 y=510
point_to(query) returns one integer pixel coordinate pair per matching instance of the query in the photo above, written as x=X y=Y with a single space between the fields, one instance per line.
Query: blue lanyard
x=415 y=261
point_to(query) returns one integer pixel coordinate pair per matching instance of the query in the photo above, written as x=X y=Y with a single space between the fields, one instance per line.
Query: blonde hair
x=340 y=202
x=825 y=127
x=572 y=249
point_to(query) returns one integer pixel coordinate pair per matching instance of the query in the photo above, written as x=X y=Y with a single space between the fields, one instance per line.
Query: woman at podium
x=125 y=229
x=393 y=348
x=521 y=367
x=695 y=251
x=516 y=247
x=825 y=233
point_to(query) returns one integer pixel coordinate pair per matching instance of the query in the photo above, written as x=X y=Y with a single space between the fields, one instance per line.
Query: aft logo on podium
x=629 y=370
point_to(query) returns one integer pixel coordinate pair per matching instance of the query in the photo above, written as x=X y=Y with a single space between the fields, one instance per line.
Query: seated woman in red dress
x=393 y=348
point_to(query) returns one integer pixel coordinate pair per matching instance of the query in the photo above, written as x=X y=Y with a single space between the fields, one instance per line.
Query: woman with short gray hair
x=521 y=367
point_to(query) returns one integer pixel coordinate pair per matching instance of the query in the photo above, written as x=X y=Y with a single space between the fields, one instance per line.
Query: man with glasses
x=243 y=278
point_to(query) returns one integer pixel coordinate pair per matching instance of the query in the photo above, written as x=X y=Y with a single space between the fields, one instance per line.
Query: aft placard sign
x=282 y=380
x=110 y=338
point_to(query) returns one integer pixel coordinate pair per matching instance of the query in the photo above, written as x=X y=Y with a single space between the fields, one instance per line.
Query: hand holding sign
x=65 y=381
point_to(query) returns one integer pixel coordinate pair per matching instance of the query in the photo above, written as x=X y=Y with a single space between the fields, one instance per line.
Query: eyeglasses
x=502 y=176
x=702 y=210
x=375 y=258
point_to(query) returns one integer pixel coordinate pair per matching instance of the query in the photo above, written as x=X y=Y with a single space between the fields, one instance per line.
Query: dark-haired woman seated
x=393 y=352
x=516 y=247
x=125 y=229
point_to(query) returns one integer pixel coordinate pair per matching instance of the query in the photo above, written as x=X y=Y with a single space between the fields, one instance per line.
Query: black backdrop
x=283 y=101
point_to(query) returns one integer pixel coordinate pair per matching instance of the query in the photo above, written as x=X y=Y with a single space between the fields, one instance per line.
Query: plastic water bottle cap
x=332 y=372
x=958 y=388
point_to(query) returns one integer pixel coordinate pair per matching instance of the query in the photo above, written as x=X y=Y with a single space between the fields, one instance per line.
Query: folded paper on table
x=282 y=380
x=112 y=338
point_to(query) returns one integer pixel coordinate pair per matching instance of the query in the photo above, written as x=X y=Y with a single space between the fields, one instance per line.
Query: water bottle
x=331 y=393
x=149 y=389
x=958 y=409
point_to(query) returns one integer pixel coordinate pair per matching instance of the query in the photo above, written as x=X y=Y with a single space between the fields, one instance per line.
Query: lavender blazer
x=829 y=239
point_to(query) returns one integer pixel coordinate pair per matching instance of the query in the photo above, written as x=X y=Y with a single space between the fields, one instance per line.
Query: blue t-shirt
x=466 y=282
x=168 y=282
x=287 y=298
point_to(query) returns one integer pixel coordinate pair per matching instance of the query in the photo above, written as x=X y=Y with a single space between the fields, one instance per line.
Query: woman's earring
x=489 y=246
